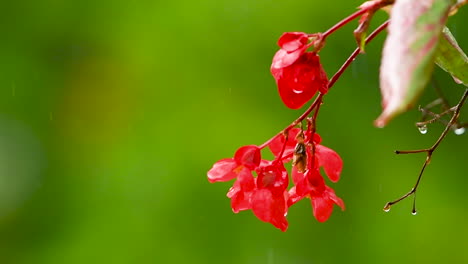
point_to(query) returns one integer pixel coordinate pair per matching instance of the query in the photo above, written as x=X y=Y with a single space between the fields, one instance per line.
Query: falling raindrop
x=423 y=129
x=459 y=131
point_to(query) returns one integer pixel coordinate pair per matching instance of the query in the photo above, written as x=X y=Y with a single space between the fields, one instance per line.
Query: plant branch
x=362 y=10
x=343 y=22
x=354 y=54
x=429 y=152
x=435 y=118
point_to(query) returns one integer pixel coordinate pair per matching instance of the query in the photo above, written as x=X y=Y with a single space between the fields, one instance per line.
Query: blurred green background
x=112 y=112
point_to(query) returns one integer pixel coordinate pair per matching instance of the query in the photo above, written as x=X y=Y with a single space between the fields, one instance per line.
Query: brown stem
x=429 y=152
x=356 y=14
x=435 y=118
x=355 y=53
x=343 y=22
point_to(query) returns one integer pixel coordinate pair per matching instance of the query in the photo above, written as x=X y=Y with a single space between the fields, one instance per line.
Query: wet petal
x=246 y=180
x=291 y=41
x=270 y=208
x=323 y=208
x=276 y=145
x=293 y=197
x=337 y=200
x=240 y=201
x=300 y=81
x=223 y=170
x=249 y=156
x=330 y=161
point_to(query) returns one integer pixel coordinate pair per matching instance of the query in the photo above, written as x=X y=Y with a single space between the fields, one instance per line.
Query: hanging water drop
x=414 y=212
x=459 y=131
x=387 y=208
x=422 y=129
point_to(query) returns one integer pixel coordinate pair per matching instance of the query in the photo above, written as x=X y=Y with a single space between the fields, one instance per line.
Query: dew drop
x=414 y=213
x=423 y=129
x=387 y=208
x=459 y=131
x=296 y=91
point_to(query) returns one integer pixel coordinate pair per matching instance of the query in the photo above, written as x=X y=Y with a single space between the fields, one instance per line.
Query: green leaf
x=408 y=54
x=451 y=58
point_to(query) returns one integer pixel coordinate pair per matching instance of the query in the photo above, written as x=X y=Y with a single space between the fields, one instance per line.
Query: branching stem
x=428 y=151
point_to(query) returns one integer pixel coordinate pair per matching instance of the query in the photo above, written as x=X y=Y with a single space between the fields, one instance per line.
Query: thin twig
x=355 y=53
x=435 y=118
x=429 y=152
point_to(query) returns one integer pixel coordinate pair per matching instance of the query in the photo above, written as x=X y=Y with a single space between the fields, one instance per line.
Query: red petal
x=299 y=82
x=316 y=181
x=234 y=189
x=293 y=197
x=293 y=45
x=270 y=208
x=246 y=180
x=337 y=200
x=276 y=145
x=249 y=156
x=241 y=191
x=283 y=59
x=331 y=162
x=222 y=171
x=291 y=41
x=297 y=177
x=240 y=202
x=323 y=204
x=323 y=208
x=273 y=177
x=317 y=139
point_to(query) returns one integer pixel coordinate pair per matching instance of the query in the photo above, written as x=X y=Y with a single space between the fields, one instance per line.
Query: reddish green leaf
x=451 y=58
x=408 y=54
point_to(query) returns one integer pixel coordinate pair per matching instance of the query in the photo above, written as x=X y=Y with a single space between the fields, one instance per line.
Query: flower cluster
x=262 y=185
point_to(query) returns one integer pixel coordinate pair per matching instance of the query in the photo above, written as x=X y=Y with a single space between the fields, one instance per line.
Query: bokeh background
x=111 y=113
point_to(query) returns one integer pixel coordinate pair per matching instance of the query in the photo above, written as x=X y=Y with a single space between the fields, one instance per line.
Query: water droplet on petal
x=423 y=129
x=387 y=208
x=459 y=131
x=297 y=91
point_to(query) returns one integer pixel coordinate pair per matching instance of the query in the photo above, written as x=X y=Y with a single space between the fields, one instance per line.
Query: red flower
x=311 y=184
x=298 y=74
x=266 y=195
x=246 y=159
x=327 y=158
x=228 y=169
